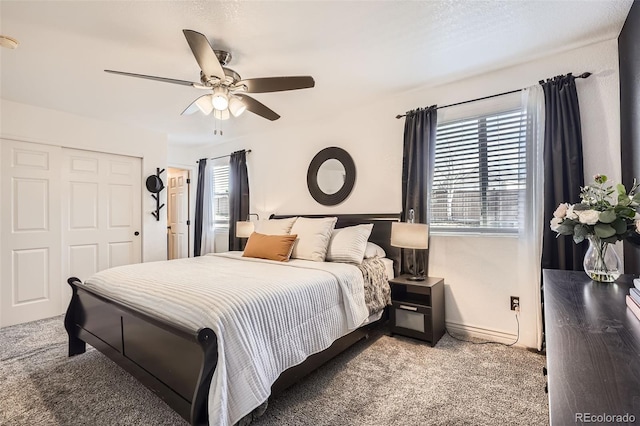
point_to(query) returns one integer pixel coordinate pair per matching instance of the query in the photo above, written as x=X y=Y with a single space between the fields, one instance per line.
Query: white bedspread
x=268 y=316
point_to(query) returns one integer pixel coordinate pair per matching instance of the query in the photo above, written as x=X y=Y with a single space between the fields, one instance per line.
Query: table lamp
x=244 y=229
x=414 y=236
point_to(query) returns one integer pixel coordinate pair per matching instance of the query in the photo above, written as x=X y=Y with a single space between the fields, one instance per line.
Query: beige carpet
x=382 y=381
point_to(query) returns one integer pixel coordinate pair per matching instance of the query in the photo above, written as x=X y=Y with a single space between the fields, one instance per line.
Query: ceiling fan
x=227 y=88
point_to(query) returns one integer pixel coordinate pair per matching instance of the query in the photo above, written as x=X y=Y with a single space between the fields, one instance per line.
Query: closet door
x=30 y=218
x=101 y=212
x=64 y=213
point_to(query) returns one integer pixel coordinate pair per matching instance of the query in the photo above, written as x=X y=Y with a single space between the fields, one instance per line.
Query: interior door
x=101 y=213
x=30 y=251
x=178 y=213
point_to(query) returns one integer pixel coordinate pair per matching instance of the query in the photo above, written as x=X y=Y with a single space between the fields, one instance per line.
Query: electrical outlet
x=515 y=303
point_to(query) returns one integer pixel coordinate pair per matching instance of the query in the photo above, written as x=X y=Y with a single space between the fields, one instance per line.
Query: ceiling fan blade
x=204 y=54
x=257 y=107
x=203 y=103
x=151 y=77
x=276 y=84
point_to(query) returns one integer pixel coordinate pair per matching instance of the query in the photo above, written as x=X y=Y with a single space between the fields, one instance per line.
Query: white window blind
x=480 y=173
x=221 y=195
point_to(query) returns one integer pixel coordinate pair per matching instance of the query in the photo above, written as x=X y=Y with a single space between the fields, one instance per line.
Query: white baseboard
x=481 y=333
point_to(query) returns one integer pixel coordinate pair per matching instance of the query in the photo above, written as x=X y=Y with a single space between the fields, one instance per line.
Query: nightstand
x=418 y=308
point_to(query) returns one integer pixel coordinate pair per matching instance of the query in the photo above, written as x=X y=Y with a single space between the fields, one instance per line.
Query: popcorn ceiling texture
x=382 y=381
x=358 y=52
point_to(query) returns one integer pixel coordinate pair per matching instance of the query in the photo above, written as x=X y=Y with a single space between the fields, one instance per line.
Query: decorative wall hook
x=155 y=185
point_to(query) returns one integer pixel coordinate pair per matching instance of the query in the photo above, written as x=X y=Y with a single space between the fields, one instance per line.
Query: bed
x=172 y=359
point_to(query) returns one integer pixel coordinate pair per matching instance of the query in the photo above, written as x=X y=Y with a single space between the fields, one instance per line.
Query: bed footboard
x=175 y=363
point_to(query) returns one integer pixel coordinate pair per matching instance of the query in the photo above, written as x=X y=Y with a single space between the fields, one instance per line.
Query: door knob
x=136 y=233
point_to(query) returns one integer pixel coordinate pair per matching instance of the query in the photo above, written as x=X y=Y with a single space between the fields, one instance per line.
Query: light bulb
x=236 y=106
x=220 y=100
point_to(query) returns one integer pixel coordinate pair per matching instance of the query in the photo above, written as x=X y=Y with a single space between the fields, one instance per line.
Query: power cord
x=489 y=343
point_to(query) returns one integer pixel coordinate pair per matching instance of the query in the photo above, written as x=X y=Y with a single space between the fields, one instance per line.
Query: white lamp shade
x=204 y=104
x=244 y=229
x=410 y=235
x=236 y=106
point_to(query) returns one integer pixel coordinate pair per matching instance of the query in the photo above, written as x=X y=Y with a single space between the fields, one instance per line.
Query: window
x=479 y=177
x=221 y=196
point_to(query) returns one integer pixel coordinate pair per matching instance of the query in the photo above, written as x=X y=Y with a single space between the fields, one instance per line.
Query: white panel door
x=101 y=211
x=178 y=213
x=30 y=218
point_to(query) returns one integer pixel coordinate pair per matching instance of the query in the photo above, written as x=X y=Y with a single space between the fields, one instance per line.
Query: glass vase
x=601 y=262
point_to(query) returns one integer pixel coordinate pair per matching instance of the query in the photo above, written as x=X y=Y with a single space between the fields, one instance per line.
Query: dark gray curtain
x=197 y=243
x=629 y=54
x=417 y=173
x=238 y=196
x=563 y=169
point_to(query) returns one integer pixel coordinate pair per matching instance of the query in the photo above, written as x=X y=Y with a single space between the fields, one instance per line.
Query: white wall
x=33 y=124
x=480 y=272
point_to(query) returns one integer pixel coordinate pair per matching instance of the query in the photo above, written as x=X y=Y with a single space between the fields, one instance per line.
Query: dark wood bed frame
x=174 y=362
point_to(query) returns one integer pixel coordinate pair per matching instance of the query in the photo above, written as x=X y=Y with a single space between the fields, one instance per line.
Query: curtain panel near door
x=530 y=229
x=238 y=196
x=200 y=191
x=208 y=241
x=563 y=168
x=417 y=172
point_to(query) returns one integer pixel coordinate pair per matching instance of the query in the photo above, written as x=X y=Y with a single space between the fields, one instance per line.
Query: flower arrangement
x=605 y=215
x=599 y=214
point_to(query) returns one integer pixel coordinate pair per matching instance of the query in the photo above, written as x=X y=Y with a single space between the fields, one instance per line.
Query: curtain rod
x=583 y=75
x=228 y=155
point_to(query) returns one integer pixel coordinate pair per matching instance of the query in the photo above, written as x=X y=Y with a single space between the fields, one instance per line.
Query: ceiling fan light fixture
x=204 y=104
x=221 y=114
x=236 y=106
x=220 y=99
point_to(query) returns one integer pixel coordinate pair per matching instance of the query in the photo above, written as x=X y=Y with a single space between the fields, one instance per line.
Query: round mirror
x=331 y=176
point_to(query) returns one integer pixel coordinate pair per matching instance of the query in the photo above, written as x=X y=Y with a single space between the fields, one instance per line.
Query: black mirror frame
x=350 y=176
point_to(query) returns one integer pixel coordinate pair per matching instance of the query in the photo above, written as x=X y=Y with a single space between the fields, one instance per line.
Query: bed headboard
x=381 y=233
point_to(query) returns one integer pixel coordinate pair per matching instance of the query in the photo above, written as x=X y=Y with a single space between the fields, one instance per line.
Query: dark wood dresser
x=593 y=350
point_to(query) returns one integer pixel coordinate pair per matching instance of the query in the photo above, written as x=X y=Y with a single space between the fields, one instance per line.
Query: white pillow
x=348 y=244
x=313 y=237
x=374 y=250
x=274 y=226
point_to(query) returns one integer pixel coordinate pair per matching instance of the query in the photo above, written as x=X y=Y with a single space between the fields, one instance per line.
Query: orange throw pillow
x=272 y=247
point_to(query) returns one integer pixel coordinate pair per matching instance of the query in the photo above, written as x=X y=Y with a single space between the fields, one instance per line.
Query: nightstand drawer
x=411 y=320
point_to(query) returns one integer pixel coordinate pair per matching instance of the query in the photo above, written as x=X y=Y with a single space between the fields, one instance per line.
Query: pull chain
x=215 y=127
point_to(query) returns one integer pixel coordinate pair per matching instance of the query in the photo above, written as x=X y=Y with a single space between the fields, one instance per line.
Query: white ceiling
x=356 y=51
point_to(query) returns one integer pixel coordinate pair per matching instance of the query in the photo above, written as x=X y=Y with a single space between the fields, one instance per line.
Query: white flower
x=638 y=226
x=561 y=211
x=555 y=223
x=637 y=216
x=571 y=214
x=588 y=217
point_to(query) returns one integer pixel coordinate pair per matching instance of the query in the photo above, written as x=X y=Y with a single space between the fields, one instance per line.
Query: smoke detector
x=8 y=42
